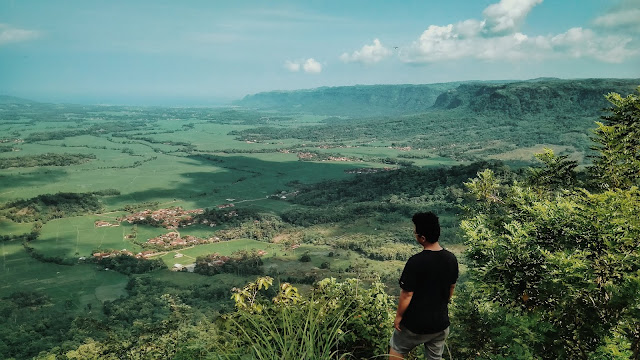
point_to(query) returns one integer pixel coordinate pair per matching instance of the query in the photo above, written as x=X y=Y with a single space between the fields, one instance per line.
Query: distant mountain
x=542 y=96
x=5 y=99
x=356 y=101
x=514 y=98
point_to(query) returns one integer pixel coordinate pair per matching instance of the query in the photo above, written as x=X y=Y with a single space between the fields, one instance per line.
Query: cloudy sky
x=202 y=52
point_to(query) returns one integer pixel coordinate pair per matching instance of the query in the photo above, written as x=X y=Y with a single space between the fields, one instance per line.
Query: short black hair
x=427 y=225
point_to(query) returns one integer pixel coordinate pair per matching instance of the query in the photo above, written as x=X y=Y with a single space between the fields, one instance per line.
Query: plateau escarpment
x=513 y=98
x=557 y=97
x=351 y=100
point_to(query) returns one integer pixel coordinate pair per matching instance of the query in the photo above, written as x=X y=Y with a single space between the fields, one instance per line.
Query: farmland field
x=80 y=284
x=133 y=159
x=150 y=159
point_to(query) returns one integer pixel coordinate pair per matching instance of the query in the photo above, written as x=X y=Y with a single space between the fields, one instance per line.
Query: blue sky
x=202 y=52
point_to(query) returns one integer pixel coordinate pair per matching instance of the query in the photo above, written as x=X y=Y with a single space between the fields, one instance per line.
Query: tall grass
x=309 y=331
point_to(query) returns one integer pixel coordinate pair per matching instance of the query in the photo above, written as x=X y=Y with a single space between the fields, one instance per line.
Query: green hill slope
x=355 y=101
x=511 y=98
x=6 y=99
x=569 y=97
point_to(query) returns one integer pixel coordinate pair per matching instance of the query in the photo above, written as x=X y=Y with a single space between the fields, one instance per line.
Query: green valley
x=124 y=229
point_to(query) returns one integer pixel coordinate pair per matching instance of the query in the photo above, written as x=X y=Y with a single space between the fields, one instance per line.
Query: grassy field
x=222 y=248
x=8 y=227
x=82 y=283
x=192 y=162
x=77 y=236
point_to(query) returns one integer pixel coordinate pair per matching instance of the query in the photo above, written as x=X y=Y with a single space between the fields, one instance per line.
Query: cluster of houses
x=306 y=155
x=340 y=158
x=401 y=148
x=180 y=267
x=369 y=170
x=101 y=223
x=140 y=255
x=170 y=218
x=309 y=155
x=13 y=140
x=338 y=147
x=173 y=239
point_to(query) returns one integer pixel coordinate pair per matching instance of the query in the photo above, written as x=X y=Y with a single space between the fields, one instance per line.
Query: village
x=170 y=218
x=13 y=140
x=173 y=240
x=141 y=255
x=369 y=170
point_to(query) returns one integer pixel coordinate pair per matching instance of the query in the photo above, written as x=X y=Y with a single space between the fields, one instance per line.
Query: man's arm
x=403 y=303
x=453 y=286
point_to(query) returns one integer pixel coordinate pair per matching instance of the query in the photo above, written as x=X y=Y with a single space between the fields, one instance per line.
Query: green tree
x=557 y=172
x=555 y=268
x=618 y=143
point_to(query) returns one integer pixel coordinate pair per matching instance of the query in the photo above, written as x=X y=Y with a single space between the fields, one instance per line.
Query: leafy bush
x=305 y=257
x=554 y=267
x=337 y=319
x=241 y=262
x=130 y=265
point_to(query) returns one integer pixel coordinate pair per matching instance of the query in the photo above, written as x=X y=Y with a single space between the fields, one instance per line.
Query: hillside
x=353 y=101
x=6 y=99
x=515 y=99
x=577 y=97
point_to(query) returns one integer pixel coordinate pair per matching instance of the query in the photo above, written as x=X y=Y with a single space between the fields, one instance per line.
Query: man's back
x=428 y=281
x=429 y=275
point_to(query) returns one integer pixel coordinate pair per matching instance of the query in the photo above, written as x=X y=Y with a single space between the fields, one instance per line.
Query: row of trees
x=127 y=264
x=48 y=159
x=241 y=262
x=52 y=206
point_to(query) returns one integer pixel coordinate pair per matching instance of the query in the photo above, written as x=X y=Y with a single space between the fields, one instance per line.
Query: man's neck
x=432 y=246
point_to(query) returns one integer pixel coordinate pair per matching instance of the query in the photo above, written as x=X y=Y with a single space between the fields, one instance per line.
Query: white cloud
x=621 y=19
x=495 y=39
x=312 y=66
x=442 y=43
x=578 y=42
x=507 y=15
x=10 y=34
x=369 y=54
x=469 y=28
x=309 y=66
x=292 y=66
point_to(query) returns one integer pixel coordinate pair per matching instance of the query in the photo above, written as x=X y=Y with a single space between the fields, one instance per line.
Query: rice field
x=155 y=159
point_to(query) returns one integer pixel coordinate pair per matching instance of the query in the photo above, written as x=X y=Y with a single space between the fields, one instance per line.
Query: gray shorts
x=404 y=341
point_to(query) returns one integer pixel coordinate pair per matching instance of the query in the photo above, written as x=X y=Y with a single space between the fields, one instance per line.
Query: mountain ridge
x=8 y=99
x=583 y=96
x=355 y=100
x=513 y=97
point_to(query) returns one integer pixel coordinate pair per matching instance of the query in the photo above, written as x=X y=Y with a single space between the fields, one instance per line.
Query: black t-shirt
x=429 y=275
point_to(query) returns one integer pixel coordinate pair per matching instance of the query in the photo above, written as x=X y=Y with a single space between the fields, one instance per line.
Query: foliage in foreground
x=337 y=320
x=554 y=267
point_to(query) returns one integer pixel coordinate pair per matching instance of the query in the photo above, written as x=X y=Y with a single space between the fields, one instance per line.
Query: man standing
x=427 y=284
